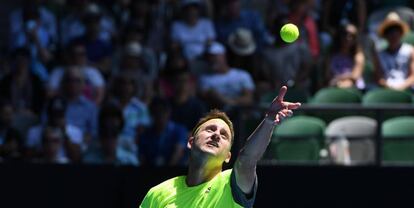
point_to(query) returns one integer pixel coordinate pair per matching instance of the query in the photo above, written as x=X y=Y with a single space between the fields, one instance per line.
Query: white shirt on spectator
x=193 y=38
x=229 y=84
x=34 y=138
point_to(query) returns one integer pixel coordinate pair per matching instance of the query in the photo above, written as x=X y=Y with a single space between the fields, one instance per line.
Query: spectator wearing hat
x=94 y=81
x=225 y=86
x=193 y=33
x=242 y=50
x=70 y=136
x=394 y=65
x=133 y=61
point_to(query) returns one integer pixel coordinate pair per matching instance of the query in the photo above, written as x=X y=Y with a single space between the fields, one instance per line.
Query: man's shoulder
x=168 y=184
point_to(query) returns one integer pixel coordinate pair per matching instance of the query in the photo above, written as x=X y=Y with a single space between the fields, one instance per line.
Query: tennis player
x=206 y=184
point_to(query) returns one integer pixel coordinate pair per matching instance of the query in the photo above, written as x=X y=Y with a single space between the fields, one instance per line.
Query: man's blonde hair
x=214 y=114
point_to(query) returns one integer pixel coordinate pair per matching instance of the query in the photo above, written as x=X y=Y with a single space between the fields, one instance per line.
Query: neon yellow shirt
x=175 y=193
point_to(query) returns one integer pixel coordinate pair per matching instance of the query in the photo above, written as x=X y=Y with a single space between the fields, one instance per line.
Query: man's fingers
x=291 y=106
x=282 y=93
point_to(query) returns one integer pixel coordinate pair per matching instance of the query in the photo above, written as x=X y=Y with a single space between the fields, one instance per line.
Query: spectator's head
x=73 y=82
x=346 y=39
x=21 y=60
x=216 y=56
x=133 y=33
x=132 y=56
x=56 y=110
x=77 y=54
x=52 y=141
x=191 y=11
x=124 y=86
x=160 y=111
x=241 y=42
x=393 y=29
x=6 y=113
x=213 y=135
x=111 y=122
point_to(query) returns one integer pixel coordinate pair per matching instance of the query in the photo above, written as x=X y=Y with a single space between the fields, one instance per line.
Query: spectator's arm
x=378 y=71
x=256 y=144
x=177 y=155
x=410 y=79
x=245 y=99
x=358 y=68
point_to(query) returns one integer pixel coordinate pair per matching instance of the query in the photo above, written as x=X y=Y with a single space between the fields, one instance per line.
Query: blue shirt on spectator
x=83 y=114
x=96 y=49
x=157 y=149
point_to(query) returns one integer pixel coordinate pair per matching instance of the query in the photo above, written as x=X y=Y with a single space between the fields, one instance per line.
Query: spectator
x=286 y=64
x=52 y=143
x=193 y=33
x=21 y=86
x=231 y=17
x=10 y=138
x=225 y=86
x=80 y=112
x=133 y=63
x=94 y=82
x=186 y=108
x=395 y=64
x=164 y=142
x=135 y=112
x=108 y=150
x=242 y=50
x=300 y=15
x=72 y=142
x=98 y=49
x=346 y=62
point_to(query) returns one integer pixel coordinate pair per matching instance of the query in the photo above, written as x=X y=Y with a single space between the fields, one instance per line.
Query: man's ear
x=190 y=142
x=227 y=160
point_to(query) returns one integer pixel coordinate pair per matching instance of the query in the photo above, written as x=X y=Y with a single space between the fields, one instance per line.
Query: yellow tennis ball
x=289 y=32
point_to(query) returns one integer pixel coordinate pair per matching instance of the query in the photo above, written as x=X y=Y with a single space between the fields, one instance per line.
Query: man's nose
x=215 y=136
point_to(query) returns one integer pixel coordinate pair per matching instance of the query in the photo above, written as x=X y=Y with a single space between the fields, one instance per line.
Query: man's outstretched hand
x=279 y=109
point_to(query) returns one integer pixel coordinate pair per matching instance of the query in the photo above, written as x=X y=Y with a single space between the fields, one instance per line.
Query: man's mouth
x=213 y=144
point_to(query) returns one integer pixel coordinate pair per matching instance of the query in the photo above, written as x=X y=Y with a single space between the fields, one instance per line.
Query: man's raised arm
x=256 y=144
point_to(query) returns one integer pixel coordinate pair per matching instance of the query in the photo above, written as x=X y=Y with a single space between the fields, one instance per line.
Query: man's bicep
x=239 y=196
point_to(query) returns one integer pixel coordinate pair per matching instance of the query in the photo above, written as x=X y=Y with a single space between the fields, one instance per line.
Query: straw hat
x=393 y=19
x=241 y=42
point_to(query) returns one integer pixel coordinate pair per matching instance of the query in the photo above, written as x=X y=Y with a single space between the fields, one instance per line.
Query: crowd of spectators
x=124 y=81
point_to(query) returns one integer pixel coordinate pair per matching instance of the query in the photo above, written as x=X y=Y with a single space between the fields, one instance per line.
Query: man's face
x=214 y=138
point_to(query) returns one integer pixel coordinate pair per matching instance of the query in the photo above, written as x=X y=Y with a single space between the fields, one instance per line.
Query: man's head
x=73 y=82
x=213 y=135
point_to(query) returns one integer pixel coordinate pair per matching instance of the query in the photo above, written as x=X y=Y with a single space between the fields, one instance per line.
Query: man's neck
x=201 y=171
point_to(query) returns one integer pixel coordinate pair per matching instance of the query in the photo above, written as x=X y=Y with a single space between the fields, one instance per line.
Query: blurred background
x=98 y=97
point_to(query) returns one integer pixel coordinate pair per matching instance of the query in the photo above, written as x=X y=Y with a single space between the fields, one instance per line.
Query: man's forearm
x=257 y=143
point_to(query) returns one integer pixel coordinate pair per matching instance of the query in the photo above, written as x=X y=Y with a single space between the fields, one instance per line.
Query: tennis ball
x=289 y=32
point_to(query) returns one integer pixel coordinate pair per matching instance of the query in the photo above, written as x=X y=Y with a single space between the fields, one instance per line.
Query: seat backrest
x=360 y=131
x=384 y=96
x=301 y=127
x=336 y=95
x=399 y=127
x=352 y=126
